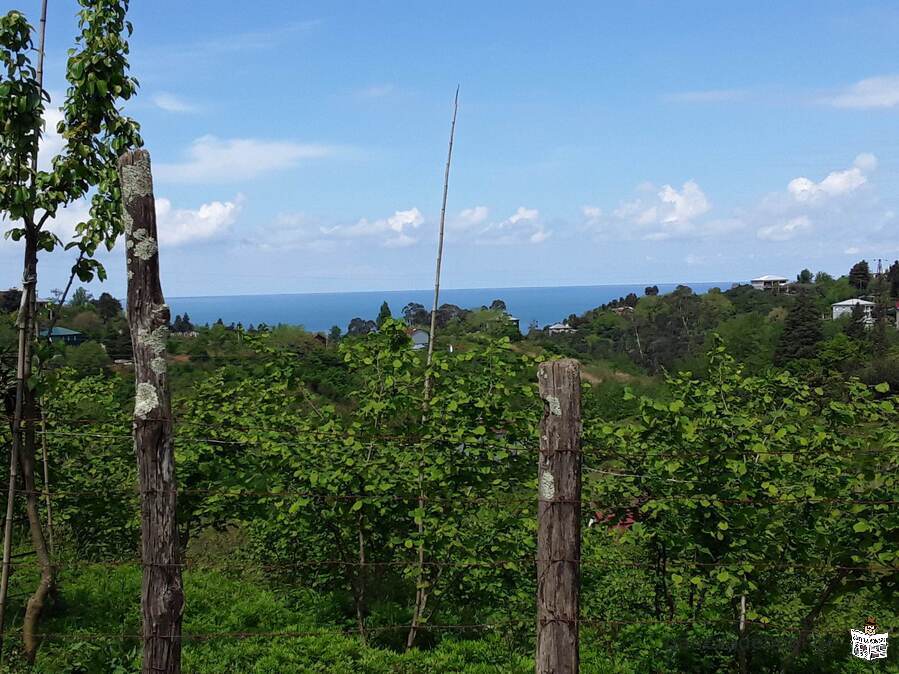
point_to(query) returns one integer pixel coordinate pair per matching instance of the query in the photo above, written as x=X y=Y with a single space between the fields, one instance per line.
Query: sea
x=319 y=311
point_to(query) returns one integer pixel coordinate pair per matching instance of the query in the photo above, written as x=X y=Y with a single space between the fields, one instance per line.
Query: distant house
x=846 y=307
x=560 y=329
x=514 y=321
x=420 y=338
x=769 y=282
x=66 y=336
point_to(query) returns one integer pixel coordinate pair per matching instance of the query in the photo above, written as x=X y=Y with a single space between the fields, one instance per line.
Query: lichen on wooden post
x=162 y=595
x=559 y=519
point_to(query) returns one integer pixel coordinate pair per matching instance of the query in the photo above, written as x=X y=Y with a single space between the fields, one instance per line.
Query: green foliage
x=860 y=275
x=802 y=331
x=94 y=130
x=745 y=485
x=384 y=314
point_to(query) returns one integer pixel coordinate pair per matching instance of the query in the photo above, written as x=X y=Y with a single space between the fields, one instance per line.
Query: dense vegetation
x=312 y=474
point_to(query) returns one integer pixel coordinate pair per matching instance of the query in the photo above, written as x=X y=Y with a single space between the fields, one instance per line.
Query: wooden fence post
x=162 y=595
x=559 y=519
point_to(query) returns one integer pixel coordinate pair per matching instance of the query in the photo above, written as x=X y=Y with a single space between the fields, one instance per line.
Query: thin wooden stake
x=47 y=502
x=421 y=589
x=559 y=519
x=433 y=330
x=162 y=594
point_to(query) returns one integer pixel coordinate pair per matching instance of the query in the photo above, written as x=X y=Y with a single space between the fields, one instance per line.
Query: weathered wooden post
x=162 y=595
x=559 y=519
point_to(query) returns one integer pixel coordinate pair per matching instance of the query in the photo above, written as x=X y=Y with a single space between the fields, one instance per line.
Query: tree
x=498 y=305
x=893 y=278
x=805 y=276
x=802 y=331
x=108 y=307
x=860 y=275
x=651 y=291
x=384 y=314
x=735 y=479
x=182 y=324
x=360 y=326
x=415 y=314
x=95 y=132
x=81 y=298
x=10 y=300
x=334 y=335
x=856 y=328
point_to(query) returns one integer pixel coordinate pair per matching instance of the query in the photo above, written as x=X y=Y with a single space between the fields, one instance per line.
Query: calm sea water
x=319 y=311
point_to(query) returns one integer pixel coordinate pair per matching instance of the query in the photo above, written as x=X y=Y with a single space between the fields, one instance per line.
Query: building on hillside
x=846 y=307
x=65 y=336
x=560 y=329
x=769 y=282
x=514 y=321
x=420 y=338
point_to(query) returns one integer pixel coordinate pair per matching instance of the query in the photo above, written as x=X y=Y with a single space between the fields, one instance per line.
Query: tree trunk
x=46 y=583
x=808 y=622
x=162 y=596
x=361 y=578
x=25 y=327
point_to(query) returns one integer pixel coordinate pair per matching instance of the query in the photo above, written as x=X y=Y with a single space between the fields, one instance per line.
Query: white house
x=769 y=282
x=846 y=307
x=560 y=329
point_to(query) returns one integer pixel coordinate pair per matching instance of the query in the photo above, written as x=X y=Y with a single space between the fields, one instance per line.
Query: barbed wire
x=249 y=565
x=461 y=498
x=451 y=627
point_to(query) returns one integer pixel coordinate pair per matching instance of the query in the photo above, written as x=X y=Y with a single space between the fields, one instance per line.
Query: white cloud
x=788 y=229
x=171 y=103
x=852 y=250
x=471 y=217
x=658 y=214
x=179 y=226
x=685 y=205
x=873 y=92
x=395 y=228
x=592 y=214
x=836 y=184
x=523 y=226
x=216 y=160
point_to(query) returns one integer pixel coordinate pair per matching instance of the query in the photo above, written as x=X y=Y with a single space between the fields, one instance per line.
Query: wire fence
x=516 y=497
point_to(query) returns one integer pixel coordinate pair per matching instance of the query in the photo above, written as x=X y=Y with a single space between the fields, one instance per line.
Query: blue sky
x=299 y=146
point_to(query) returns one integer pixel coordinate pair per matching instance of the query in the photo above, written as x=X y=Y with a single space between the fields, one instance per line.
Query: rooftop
x=60 y=332
x=853 y=302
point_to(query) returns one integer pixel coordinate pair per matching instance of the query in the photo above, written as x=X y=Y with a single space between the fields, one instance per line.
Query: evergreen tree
x=108 y=307
x=802 y=331
x=334 y=335
x=893 y=277
x=80 y=298
x=805 y=276
x=856 y=328
x=384 y=314
x=860 y=275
